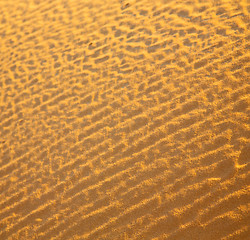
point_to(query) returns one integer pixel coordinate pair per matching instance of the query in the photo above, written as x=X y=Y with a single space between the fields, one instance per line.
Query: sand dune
x=124 y=119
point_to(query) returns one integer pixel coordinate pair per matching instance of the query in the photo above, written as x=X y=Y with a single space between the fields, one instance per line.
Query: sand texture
x=124 y=119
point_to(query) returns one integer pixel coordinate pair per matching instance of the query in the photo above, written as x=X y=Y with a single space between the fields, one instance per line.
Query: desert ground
x=124 y=119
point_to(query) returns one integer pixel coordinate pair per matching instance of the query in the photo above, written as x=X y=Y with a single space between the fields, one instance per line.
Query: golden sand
x=124 y=119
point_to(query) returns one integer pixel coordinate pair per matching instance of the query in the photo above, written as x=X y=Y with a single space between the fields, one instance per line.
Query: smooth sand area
x=124 y=119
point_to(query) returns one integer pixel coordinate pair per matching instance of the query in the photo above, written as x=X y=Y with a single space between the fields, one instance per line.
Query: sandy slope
x=124 y=119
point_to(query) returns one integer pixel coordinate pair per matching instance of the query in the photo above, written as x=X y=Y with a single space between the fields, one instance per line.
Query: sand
x=124 y=119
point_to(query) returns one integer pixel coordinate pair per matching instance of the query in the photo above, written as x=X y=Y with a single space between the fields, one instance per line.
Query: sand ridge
x=124 y=119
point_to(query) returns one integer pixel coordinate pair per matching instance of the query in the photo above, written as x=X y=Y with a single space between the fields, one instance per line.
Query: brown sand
x=124 y=119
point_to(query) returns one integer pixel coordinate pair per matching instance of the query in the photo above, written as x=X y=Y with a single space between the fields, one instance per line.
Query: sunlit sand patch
x=124 y=119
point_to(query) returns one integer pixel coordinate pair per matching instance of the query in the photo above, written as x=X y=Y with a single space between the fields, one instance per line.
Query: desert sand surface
x=124 y=119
